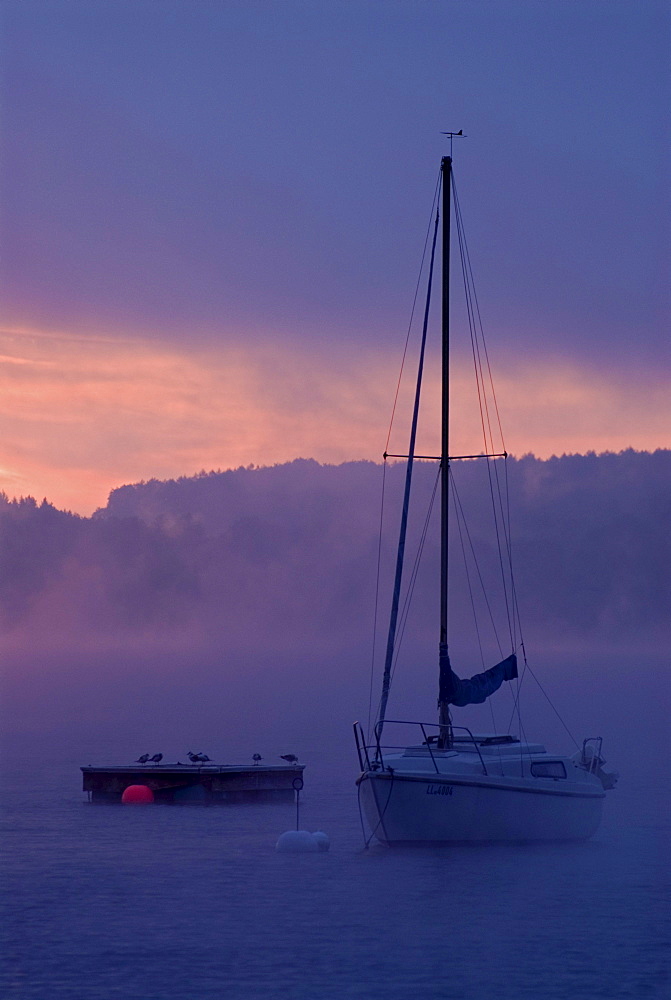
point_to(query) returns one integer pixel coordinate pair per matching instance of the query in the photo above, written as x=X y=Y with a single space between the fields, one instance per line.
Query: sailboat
x=448 y=784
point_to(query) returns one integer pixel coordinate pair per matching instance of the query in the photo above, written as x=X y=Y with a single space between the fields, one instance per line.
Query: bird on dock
x=143 y=759
x=193 y=757
x=257 y=757
x=204 y=758
x=291 y=758
x=156 y=759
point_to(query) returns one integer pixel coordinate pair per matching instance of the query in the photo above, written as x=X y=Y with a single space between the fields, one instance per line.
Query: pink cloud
x=81 y=415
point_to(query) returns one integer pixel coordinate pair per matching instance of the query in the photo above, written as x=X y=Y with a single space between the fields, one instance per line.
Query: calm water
x=193 y=903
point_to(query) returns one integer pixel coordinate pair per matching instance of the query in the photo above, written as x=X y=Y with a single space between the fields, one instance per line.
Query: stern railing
x=592 y=760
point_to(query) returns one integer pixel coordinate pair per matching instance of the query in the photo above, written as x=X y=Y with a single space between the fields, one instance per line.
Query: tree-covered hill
x=288 y=553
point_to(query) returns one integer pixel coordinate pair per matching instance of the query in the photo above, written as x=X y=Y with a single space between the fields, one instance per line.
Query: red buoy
x=137 y=795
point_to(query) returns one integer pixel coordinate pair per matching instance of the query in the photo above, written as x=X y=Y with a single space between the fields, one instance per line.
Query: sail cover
x=455 y=691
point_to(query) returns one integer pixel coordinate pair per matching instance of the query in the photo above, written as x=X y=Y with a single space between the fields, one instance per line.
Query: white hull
x=451 y=805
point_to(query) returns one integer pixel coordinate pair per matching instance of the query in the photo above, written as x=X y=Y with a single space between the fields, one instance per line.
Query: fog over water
x=251 y=632
x=168 y=902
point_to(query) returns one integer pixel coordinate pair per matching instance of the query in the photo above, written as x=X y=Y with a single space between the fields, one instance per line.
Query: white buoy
x=297 y=842
x=301 y=841
x=323 y=842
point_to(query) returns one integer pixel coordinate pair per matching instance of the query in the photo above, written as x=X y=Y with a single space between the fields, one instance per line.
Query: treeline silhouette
x=288 y=555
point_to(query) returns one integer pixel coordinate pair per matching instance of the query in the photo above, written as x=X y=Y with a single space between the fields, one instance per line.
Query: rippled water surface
x=151 y=903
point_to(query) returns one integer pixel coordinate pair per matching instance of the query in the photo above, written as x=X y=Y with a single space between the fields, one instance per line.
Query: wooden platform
x=205 y=783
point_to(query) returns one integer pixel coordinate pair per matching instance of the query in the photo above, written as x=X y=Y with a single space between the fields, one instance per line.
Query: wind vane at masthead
x=452 y=135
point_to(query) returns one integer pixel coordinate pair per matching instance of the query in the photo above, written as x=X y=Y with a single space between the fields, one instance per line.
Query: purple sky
x=199 y=181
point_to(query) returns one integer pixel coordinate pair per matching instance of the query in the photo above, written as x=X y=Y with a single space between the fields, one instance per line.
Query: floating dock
x=205 y=783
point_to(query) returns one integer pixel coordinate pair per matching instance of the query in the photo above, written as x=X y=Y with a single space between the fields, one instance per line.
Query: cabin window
x=548 y=769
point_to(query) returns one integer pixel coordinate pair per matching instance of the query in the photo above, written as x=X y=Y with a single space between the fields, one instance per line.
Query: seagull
x=204 y=757
x=193 y=757
x=257 y=757
x=156 y=759
x=291 y=758
x=143 y=759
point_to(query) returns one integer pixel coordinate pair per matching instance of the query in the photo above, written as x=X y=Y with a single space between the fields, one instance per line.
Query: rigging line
x=476 y=563
x=505 y=528
x=515 y=692
x=499 y=511
x=477 y=338
x=405 y=611
x=484 y=420
x=516 y=613
x=501 y=529
x=468 y=575
x=469 y=292
x=377 y=596
x=436 y=196
x=471 y=300
x=516 y=705
x=508 y=602
x=515 y=622
x=519 y=711
x=505 y=523
x=398 y=575
x=547 y=698
x=479 y=316
x=407 y=599
x=413 y=576
x=488 y=439
x=367 y=840
x=517 y=618
x=471 y=327
x=470 y=590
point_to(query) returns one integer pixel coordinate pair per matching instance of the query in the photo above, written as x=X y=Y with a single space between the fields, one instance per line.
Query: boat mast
x=443 y=705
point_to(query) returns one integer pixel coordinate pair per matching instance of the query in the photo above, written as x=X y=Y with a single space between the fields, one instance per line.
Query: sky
x=213 y=215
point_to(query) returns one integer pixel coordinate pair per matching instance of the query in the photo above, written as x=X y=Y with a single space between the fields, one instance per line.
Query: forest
x=289 y=554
